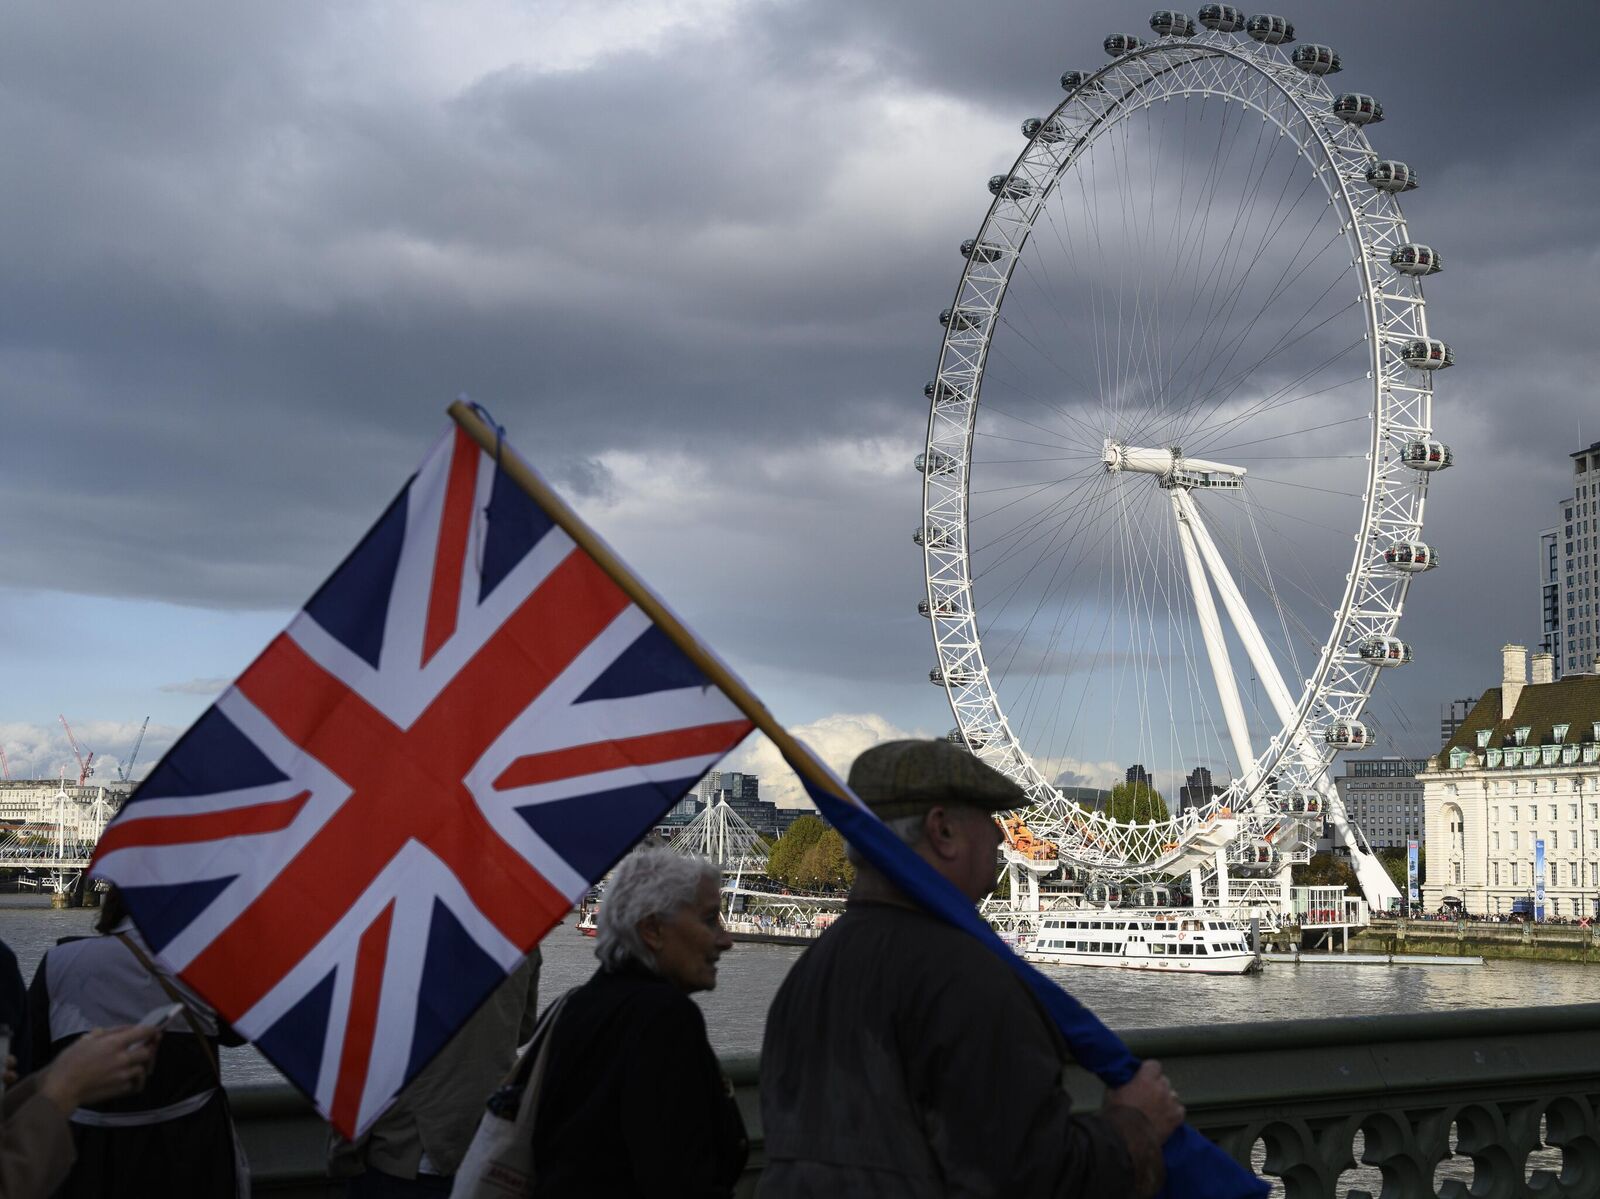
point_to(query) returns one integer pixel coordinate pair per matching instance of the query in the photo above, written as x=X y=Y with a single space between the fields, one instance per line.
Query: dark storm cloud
x=244 y=270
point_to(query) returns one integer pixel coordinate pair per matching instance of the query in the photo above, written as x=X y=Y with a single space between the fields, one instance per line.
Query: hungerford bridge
x=50 y=830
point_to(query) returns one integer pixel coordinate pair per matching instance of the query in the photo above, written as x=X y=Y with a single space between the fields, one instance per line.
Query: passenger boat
x=587 y=924
x=1181 y=942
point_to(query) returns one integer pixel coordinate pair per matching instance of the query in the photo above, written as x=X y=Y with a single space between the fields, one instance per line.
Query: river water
x=750 y=974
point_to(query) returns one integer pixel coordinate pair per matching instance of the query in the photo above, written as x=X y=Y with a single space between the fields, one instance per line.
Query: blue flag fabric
x=1196 y=1167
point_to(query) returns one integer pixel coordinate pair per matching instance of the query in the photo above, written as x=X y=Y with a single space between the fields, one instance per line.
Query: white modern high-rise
x=1569 y=572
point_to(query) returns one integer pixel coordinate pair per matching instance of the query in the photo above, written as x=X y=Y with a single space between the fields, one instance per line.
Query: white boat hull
x=1240 y=963
x=1165 y=941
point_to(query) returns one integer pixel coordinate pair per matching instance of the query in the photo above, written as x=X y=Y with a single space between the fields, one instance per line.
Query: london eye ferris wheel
x=1178 y=446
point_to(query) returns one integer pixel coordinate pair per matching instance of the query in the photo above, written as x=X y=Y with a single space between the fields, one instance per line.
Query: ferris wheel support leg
x=1211 y=634
x=1196 y=886
x=1375 y=882
x=1223 y=898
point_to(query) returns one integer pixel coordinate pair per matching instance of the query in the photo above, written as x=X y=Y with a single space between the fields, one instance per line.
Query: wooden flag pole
x=731 y=685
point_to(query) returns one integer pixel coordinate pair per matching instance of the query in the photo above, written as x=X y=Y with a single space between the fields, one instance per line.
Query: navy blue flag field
x=1196 y=1167
x=467 y=725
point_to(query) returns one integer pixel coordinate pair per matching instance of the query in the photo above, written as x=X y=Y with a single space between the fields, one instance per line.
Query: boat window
x=1158 y=949
x=1186 y=950
x=1200 y=950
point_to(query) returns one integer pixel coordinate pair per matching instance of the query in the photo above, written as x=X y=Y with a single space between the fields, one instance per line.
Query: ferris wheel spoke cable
x=1207 y=387
x=1203 y=436
x=1275 y=226
x=1022 y=533
x=1060 y=558
x=1217 y=311
x=1332 y=424
x=1222 y=393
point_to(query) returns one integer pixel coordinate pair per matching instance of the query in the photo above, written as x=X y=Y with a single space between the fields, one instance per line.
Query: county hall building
x=1524 y=766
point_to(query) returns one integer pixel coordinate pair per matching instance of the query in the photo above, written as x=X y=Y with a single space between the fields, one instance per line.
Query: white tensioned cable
x=1258 y=77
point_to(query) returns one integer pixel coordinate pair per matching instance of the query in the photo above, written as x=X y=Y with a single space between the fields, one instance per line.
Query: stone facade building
x=1524 y=767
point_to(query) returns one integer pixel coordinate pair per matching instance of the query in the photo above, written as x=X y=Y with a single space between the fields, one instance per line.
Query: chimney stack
x=1513 y=677
x=1544 y=668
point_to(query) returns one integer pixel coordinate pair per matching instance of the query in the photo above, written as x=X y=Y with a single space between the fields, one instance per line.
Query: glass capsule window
x=1224 y=18
x=1009 y=187
x=1169 y=22
x=1269 y=29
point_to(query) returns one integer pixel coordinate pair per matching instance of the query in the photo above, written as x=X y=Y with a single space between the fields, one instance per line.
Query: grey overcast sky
x=690 y=253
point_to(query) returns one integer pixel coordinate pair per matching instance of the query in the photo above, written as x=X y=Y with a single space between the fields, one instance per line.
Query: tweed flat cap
x=902 y=778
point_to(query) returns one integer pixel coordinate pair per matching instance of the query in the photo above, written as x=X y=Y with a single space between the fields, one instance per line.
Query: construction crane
x=5 y=767
x=85 y=765
x=124 y=773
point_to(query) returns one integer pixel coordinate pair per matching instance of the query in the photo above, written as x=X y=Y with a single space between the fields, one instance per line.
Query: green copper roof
x=1573 y=701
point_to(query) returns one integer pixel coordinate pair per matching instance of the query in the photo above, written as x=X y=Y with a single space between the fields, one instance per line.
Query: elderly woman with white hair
x=633 y=1101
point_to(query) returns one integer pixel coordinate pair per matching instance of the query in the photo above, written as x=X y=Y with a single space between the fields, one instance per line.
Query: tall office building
x=1452 y=715
x=743 y=794
x=1198 y=790
x=1383 y=796
x=1138 y=774
x=1569 y=572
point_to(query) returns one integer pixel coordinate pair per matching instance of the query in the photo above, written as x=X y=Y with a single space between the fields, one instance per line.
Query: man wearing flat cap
x=903 y=1060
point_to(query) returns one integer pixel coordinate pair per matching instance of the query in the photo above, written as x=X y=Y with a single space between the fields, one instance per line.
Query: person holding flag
x=472 y=720
x=902 y=1058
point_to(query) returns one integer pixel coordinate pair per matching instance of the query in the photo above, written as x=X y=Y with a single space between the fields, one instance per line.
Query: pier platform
x=1335 y=958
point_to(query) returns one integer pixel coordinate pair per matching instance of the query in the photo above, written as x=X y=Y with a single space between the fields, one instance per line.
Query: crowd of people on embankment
x=885 y=1052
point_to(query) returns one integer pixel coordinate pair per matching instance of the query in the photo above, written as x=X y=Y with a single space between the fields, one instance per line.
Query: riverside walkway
x=1506 y=941
x=1501 y=1102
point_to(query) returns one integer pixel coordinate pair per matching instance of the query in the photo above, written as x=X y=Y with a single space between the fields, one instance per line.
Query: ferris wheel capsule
x=1010 y=187
x=931 y=535
x=1043 y=131
x=957 y=676
x=1260 y=853
x=1427 y=354
x=1422 y=454
x=939 y=392
x=977 y=251
x=1381 y=650
x=1071 y=81
x=1303 y=803
x=1169 y=22
x=1316 y=59
x=966 y=740
x=1119 y=44
x=963 y=318
x=1357 y=108
x=1224 y=18
x=1391 y=176
x=1413 y=258
x=935 y=463
x=1411 y=557
x=1347 y=734
x=1274 y=31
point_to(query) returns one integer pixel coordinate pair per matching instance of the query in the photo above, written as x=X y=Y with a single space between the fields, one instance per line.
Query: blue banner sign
x=1411 y=874
x=1538 y=879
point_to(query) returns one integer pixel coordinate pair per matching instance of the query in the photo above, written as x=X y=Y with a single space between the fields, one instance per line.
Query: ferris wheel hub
x=1170 y=465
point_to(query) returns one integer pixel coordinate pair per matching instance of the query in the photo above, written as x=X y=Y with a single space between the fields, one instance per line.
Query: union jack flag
x=463 y=730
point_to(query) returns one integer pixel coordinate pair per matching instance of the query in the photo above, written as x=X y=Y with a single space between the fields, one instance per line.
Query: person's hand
x=1149 y=1092
x=105 y=1063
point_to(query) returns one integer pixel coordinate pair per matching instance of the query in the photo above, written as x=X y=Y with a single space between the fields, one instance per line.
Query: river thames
x=749 y=976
